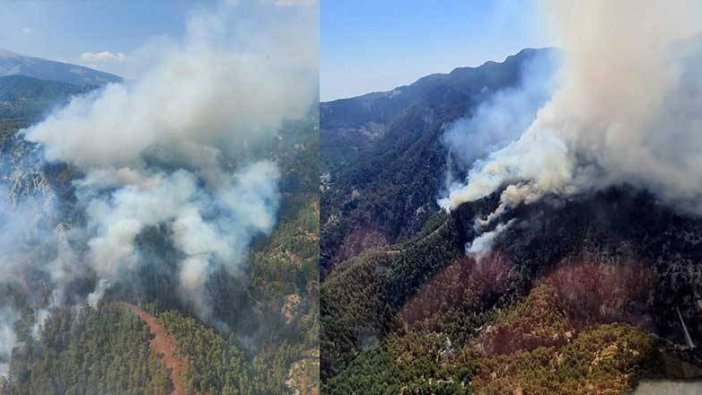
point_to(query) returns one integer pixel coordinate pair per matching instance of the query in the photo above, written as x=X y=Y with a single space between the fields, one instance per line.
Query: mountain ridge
x=12 y=63
x=605 y=277
x=456 y=70
x=382 y=159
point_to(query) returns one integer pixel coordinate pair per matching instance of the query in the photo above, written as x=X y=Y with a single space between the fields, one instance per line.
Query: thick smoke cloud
x=212 y=226
x=220 y=88
x=627 y=110
x=170 y=150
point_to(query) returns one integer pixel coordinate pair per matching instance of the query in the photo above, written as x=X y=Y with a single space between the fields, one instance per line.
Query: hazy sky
x=375 y=45
x=98 y=33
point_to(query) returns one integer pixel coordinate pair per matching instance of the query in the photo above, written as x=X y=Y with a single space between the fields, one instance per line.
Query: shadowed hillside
x=382 y=156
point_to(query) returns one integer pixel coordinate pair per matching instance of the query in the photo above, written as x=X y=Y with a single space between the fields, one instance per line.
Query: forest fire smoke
x=626 y=110
x=168 y=152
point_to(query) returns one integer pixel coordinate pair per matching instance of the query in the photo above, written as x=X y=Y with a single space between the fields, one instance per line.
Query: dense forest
x=113 y=343
x=587 y=294
x=263 y=334
x=86 y=351
x=450 y=339
x=283 y=355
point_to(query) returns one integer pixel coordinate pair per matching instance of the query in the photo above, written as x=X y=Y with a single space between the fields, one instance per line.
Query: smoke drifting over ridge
x=171 y=150
x=502 y=116
x=627 y=110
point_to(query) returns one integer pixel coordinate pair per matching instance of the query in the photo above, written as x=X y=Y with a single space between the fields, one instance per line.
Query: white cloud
x=103 y=57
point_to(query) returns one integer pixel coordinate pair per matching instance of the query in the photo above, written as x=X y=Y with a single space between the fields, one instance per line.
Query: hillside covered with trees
x=589 y=293
x=262 y=337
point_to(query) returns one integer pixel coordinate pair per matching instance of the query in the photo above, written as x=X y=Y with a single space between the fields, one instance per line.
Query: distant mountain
x=16 y=64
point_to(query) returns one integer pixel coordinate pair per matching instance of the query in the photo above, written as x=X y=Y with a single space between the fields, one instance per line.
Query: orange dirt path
x=164 y=346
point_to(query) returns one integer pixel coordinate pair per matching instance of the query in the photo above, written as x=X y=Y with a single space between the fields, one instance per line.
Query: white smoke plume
x=8 y=338
x=482 y=245
x=172 y=149
x=627 y=110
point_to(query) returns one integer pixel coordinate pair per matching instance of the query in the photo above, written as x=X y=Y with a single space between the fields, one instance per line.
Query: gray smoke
x=32 y=248
x=627 y=110
x=169 y=150
x=212 y=225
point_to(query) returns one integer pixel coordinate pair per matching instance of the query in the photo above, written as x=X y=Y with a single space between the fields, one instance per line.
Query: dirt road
x=164 y=346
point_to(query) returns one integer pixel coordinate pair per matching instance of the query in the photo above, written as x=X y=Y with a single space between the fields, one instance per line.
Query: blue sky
x=375 y=45
x=72 y=30
x=366 y=45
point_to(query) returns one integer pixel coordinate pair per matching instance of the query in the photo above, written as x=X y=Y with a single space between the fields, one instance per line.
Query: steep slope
x=595 y=291
x=263 y=335
x=16 y=64
x=620 y=227
x=561 y=285
x=382 y=157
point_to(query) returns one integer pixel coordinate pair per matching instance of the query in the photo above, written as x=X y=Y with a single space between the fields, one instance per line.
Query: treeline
x=104 y=351
x=28 y=98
